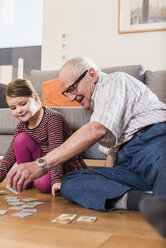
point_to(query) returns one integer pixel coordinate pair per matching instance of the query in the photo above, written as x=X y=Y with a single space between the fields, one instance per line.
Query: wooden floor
x=118 y=229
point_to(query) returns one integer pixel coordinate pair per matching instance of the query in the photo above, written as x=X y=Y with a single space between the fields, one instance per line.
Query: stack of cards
x=27 y=208
x=25 y=205
x=68 y=218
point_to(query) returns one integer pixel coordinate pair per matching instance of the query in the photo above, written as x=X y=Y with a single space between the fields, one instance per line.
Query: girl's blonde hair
x=20 y=87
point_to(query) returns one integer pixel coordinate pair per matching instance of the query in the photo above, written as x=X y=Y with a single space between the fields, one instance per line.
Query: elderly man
x=129 y=122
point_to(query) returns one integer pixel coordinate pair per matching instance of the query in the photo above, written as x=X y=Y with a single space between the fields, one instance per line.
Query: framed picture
x=141 y=16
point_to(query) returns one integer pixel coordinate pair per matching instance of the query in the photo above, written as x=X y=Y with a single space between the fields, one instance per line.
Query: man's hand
x=108 y=162
x=56 y=187
x=24 y=174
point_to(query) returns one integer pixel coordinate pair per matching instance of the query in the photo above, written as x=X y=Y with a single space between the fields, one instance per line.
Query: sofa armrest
x=8 y=121
x=156 y=81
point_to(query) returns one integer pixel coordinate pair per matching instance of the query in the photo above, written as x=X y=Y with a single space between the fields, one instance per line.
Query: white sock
x=122 y=202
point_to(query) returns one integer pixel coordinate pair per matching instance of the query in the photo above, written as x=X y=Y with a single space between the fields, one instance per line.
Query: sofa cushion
x=3 y=103
x=52 y=97
x=137 y=71
x=37 y=77
x=77 y=117
x=156 y=81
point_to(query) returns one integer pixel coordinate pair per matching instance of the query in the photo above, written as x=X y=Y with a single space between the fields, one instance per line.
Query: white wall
x=91 y=27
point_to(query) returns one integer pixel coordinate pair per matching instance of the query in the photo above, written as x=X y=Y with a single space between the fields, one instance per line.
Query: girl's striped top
x=52 y=131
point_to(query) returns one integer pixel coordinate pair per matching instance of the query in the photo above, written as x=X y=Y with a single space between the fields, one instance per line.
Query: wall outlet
x=64 y=36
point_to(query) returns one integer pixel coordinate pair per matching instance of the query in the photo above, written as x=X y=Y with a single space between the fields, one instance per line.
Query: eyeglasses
x=73 y=88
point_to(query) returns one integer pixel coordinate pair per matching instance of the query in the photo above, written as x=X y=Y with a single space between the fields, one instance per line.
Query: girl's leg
x=43 y=184
x=27 y=150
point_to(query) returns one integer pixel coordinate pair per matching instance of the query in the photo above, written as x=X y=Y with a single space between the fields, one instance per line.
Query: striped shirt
x=123 y=105
x=52 y=131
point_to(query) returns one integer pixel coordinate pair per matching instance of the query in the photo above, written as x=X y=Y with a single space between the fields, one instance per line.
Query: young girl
x=39 y=131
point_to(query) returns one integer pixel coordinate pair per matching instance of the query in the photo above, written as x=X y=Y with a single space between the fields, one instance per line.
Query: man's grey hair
x=80 y=64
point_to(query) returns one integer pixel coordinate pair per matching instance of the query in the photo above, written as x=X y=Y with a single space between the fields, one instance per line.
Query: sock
x=134 y=199
x=129 y=200
x=117 y=203
x=153 y=210
x=121 y=203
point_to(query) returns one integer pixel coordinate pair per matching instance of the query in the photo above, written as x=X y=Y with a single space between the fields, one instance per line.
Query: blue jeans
x=141 y=165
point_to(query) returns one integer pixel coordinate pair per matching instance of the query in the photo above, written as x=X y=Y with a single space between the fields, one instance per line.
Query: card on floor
x=15 y=208
x=33 y=204
x=21 y=214
x=37 y=203
x=90 y=219
x=29 y=210
x=2 y=192
x=13 y=200
x=29 y=199
x=27 y=206
x=2 y=212
x=11 y=197
x=16 y=203
x=64 y=218
x=11 y=189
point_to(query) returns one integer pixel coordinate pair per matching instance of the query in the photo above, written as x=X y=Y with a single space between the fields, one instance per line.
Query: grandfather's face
x=78 y=87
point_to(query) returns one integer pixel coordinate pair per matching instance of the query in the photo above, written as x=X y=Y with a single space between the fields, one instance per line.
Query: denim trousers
x=141 y=165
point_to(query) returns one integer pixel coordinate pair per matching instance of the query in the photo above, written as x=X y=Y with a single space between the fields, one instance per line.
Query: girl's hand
x=56 y=187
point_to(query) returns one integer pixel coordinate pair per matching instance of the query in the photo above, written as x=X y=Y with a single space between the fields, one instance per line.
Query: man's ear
x=93 y=75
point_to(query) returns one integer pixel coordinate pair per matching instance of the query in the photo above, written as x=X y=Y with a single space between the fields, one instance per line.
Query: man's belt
x=145 y=129
x=142 y=130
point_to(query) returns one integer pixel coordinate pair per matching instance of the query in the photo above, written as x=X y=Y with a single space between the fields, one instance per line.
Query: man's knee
x=75 y=182
x=67 y=187
x=71 y=185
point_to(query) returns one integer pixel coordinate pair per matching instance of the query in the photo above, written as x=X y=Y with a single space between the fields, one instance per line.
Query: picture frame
x=141 y=16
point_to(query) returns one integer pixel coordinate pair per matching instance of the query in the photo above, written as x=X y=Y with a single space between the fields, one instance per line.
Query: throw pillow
x=52 y=97
x=3 y=103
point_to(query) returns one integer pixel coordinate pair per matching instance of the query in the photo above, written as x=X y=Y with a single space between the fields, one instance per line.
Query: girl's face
x=23 y=108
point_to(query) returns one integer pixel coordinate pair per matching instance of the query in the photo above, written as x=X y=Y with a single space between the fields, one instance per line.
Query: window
x=21 y=38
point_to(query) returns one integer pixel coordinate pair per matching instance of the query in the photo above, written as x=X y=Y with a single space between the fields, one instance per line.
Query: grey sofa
x=77 y=116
